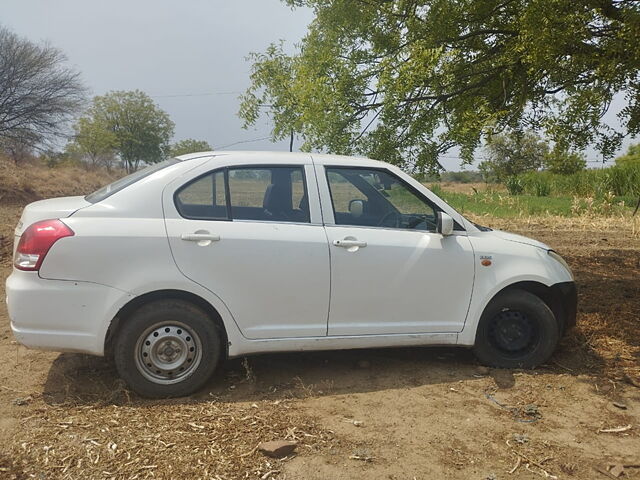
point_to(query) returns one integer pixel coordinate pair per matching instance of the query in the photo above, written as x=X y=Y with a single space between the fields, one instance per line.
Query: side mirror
x=445 y=224
x=356 y=208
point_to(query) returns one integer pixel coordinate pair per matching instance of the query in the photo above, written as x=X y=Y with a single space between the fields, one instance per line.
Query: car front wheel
x=517 y=330
x=167 y=348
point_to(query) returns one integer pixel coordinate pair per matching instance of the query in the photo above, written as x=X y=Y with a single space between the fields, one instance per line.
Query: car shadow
x=76 y=379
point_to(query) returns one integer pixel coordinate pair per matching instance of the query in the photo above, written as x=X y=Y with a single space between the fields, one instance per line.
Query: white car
x=225 y=254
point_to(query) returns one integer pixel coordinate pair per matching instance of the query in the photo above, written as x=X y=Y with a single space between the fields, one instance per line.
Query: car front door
x=391 y=273
x=248 y=234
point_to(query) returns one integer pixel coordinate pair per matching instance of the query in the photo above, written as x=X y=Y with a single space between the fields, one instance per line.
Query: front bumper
x=60 y=315
x=566 y=294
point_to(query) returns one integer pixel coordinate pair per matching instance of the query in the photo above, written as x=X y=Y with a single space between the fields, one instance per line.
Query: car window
x=377 y=198
x=204 y=198
x=254 y=193
x=268 y=194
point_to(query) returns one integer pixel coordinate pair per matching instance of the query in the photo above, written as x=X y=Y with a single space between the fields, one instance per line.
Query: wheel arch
x=134 y=304
x=550 y=295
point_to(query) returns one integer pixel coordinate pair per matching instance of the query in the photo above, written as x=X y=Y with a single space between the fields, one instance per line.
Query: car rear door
x=252 y=235
x=391 y=273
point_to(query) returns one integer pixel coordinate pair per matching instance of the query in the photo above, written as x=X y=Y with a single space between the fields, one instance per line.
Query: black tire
x=516 y=330
x=167 y=348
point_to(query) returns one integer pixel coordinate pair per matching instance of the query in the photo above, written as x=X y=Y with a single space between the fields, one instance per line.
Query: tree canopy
x=564 y=162
x=189 y=145
x=39 y=94
x=513 y=154
x=632 y=157
x=407 y=80
x=94 y=142
x=130 y=123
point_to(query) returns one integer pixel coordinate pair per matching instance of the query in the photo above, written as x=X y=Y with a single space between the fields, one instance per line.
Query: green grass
x=509 y=206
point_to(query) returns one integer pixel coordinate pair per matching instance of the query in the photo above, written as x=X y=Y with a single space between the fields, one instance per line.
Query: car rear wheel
x=517 y=330
x=167 y=348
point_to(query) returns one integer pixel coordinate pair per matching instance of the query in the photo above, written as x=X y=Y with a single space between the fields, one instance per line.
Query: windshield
x=124 y=182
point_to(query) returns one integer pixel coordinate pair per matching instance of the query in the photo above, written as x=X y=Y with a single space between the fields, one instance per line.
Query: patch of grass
x=502 y=205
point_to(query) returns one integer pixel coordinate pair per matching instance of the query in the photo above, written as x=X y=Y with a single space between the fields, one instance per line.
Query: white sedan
x=224 y=254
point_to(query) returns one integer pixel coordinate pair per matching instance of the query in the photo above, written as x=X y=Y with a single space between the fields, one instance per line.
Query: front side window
x=376 y=198
x=264 y=193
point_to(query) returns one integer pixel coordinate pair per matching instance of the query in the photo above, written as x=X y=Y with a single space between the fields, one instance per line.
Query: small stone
x=619 y=405
x=521 y=438
x=277 y=448
x=364 y=364
x=617 y=470
x=22 y=401
x=482 y=370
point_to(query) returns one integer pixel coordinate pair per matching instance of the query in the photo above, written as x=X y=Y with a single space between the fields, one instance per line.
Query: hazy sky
x=168 y=49
x=189 y=55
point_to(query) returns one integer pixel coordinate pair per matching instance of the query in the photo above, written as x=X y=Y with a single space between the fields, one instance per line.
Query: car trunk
x=47 y=209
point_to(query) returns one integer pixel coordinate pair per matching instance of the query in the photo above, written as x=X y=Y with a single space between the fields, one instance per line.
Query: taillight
x=36 y=241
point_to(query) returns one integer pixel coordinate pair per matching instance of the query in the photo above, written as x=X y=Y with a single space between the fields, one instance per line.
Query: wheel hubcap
x=168 y=353
x=512 y=331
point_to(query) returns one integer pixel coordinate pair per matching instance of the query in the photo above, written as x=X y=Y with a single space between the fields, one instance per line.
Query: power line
x=242 y=141
x=206 y=94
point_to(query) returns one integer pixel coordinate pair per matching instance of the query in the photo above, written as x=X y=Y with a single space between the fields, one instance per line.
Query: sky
x=190 y=56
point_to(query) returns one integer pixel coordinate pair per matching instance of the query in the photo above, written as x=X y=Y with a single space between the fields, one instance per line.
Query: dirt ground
x=413 y=413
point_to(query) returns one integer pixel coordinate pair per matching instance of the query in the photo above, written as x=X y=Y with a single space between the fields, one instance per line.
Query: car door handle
x=349 y=243
x=199 y=237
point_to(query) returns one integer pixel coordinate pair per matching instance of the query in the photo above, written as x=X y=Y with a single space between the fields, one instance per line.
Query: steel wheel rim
x=168 y=352
x=513 y=332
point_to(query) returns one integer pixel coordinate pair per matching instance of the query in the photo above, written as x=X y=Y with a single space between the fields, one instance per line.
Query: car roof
x=260 y=157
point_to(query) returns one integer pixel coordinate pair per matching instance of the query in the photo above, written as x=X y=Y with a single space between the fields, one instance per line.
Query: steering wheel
x=388 y=215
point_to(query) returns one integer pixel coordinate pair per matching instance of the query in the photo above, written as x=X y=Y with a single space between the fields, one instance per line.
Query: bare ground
x=395 y=413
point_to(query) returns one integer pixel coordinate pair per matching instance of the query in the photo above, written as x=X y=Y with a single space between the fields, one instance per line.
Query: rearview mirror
x=356 y=208
x=445 y=224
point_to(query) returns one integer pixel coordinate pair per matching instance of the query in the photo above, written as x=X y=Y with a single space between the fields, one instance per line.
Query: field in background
x=494 y=201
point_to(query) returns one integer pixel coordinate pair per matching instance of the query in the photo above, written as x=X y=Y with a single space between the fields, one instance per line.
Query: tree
x=632 y=157
x=513 y=154
x=563 y=161
x=407 y=80
x=39 y=95
x=189 y=145
x=141 y=130
x=94 y=142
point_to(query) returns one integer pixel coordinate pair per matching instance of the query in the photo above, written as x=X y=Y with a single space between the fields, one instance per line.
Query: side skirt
x=246 y=347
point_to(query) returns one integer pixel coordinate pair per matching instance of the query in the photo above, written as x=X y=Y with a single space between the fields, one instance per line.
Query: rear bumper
x=567 y=294
x=59 y=315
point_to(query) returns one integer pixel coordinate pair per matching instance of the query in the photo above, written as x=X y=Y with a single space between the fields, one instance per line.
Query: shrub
x=515 y=185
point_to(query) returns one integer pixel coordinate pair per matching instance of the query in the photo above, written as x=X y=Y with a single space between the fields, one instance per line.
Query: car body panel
x=281 y=284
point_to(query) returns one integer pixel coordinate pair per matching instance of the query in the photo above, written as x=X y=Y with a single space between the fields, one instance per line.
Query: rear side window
x=205 y=198
x=264 y=193
x=124 y=182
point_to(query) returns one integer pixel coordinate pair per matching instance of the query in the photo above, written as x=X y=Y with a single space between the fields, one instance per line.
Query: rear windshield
x=124 y=182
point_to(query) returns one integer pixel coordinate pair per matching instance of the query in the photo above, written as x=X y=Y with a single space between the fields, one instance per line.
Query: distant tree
x=189 y=145
x=39 y=95
x=559 y=160
x=632 y=157
x=17 y=148
x=141 y=129
x=512 y=154
x=94 y=142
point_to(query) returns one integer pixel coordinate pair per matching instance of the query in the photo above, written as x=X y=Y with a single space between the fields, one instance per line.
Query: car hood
x=512 y=237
